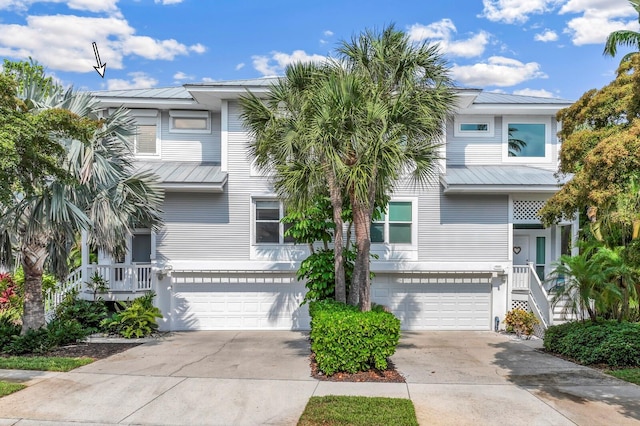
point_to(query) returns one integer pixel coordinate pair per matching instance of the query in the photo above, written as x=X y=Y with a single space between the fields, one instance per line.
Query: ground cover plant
x=611 y=343
x=7 y=388
x=358 y=410
x=631 y=375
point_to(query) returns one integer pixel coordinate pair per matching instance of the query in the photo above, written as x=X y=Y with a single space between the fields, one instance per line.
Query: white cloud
x=208 y=79
x=240 y=66
x=512 y=11
x=63 y=42
x=168 y=1
x=198 y=48
x=497 y=71
x=599 y=18
x=328 y=33
x=540 y=93
x=547 y=35
x=274 y=65
x=182 y=76
x=442 y=32
x=88 y=5
x=139 y=80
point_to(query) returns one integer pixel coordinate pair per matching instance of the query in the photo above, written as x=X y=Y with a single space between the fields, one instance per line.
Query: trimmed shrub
x=521 y=322
x=613 y=343
x=345 y=339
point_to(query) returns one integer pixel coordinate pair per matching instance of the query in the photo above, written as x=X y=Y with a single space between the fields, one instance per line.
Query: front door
x=520 y=249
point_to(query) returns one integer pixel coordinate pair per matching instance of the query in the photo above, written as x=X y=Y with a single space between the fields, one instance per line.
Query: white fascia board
x=499 y=189
x=194 y=187
x=146 y=103
x=513 y=109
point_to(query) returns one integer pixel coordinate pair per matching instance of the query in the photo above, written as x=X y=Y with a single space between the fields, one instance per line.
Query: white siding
x=200 y=147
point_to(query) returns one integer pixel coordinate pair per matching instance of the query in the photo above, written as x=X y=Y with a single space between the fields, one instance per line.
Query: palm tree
x=409 y=95
x=294 y=138
x=623 y=38
x=101 y=193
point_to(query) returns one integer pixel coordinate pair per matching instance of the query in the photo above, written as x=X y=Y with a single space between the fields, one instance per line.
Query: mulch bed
x=89 y=350
x=390 y=375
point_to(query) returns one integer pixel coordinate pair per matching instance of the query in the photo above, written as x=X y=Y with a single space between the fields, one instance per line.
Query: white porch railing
x=526 y=278
x=123 y=277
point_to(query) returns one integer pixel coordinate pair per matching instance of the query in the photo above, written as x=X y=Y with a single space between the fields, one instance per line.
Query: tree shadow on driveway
x=577 y=391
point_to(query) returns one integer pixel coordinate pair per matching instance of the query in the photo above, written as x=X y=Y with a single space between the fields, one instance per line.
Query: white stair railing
x=54 y=298
x=539 y=299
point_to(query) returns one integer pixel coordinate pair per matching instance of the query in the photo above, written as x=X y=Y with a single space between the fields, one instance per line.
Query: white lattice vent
x=520 y=304
x=526 y=211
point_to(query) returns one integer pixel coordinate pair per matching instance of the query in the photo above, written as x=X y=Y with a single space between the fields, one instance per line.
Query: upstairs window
x=268 y=228
x=145 y=139
x=526 y=140
x=473 y=126
x=189 y=121
x=396 y=226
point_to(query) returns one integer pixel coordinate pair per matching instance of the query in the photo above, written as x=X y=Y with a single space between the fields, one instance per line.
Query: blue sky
x=533 y=47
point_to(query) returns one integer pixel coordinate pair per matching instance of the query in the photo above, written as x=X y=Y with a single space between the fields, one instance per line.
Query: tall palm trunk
x=360 y=293
x=338 y=243
x=34 y=255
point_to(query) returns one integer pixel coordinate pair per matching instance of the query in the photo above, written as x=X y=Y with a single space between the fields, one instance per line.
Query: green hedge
x=613 y=343
x=345 y=339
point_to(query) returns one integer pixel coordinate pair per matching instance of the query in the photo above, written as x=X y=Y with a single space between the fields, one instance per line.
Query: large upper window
x=526 y=139
x=268 y=228
x=396 y=226
x=189 y=121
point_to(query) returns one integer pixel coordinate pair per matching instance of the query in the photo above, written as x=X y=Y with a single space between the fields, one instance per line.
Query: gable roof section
x=503 y=98
x=499 y=179
x=186 y=176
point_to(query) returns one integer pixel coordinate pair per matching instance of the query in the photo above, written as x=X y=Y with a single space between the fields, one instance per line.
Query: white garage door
x=436 y=304
x=238 y=303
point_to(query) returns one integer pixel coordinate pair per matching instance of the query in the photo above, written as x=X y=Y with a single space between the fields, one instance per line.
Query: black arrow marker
x=101 y=68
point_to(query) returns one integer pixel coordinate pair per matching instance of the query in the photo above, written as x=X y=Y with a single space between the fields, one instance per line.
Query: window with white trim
x=473 y=126
x=267 y=226
x=189 y=121
x=145 y=136
x=396 y=226
x=525 y=140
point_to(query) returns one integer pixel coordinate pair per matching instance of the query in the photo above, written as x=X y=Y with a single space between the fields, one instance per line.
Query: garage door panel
x=238 y=305
x=449 y=305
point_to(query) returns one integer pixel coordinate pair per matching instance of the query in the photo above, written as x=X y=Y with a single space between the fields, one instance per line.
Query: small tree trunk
x=338 y=243
x=33 y=258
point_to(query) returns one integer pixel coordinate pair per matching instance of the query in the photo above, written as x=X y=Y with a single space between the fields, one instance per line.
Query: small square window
x=526 y=139
x=268 y=228
x=145 y=140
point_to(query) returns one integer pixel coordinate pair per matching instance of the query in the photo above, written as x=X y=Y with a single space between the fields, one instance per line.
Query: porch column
x=575 y=229
x=84 y=256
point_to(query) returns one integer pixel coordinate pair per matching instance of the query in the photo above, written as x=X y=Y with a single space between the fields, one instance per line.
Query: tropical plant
x=138 y=318
x=521 y=322
x=97 y=284
x=623 y=38
x=405 y=96
x=100 y=191
x=583 y=286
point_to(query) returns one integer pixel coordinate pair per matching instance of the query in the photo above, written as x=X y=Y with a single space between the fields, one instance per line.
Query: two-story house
x=454 y=255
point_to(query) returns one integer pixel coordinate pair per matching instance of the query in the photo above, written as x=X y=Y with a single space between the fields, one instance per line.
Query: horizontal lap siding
x=200 y=147
x=474 y=151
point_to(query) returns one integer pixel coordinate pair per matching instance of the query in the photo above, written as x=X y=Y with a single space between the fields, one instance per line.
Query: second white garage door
x=428 y=304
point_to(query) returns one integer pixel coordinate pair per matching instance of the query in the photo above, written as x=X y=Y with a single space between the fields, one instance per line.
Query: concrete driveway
x=252 y=378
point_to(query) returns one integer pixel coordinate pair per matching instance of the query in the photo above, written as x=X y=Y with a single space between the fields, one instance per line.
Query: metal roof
x=187 y=176
x=265 y=81
x=501 y=178
x=157 y=93
x=504 y=98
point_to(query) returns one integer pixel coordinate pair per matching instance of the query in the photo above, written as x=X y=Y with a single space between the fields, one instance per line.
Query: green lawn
x=628 y=374
x=43 y=363
x=6 y=388
x=358 y=410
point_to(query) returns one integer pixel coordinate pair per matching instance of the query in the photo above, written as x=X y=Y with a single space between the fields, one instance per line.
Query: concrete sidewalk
x=254 y=378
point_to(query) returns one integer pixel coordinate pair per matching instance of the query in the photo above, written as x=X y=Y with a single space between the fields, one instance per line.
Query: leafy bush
x=64 y=332
x=11 y=299
x=614 y=343
x=34 y=341
x=8 y=329
x=88 y=314
x=137 y=319
x=345 y=339
x=521 y=322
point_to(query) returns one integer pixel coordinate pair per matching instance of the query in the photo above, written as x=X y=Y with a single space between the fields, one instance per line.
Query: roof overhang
x=504 y=179
x=182 y=176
